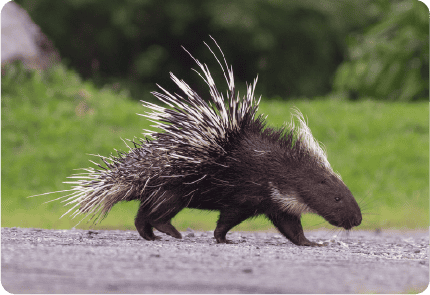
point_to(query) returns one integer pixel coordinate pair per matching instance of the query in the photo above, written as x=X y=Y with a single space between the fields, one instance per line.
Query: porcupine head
x=218 y=155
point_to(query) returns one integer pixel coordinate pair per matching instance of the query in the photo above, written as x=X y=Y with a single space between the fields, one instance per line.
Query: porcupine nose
x=355 y=217
x=355 y=220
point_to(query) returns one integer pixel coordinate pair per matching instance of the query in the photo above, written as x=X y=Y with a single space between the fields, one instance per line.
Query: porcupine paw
x=145 y=231
x=313 y=244
x=225 y=241
x=169 y=229
x=221 y=239
x=151 y=237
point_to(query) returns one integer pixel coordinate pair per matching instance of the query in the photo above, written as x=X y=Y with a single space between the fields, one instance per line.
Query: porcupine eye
x=337 y=199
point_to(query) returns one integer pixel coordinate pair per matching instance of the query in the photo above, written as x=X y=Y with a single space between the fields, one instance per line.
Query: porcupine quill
x=216 y=155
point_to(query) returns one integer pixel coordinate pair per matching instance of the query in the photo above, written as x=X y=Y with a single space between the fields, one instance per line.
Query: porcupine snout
x=350 y=214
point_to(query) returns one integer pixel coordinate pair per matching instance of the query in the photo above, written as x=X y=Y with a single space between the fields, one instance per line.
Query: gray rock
x=22 y=39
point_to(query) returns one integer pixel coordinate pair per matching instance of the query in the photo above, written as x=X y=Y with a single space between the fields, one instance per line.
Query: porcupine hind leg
x=159 y=218
x=167 y=228
x=144 y=227
x=291 y=227
x=229 y=218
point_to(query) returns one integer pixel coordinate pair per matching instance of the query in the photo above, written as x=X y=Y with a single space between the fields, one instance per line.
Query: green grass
x=50 y=123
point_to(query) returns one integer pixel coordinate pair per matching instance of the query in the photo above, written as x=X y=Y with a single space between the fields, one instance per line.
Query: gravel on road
x=113 y=261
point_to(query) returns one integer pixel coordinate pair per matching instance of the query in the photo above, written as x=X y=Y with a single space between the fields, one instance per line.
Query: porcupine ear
x=210 y=121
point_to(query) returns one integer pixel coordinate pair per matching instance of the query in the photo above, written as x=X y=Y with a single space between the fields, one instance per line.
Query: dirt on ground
x=100 y=261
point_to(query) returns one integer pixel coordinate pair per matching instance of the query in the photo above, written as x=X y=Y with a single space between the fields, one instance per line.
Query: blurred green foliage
x=390 y=60
x=53 y=122
x=294 y=46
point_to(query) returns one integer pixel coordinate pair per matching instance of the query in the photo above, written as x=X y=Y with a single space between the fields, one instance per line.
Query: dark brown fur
x=240 y=185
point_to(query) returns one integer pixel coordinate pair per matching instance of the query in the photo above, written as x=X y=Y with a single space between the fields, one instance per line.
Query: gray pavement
x=99 y=261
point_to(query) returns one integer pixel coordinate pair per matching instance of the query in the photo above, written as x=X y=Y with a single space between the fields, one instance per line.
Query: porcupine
x=217 y=156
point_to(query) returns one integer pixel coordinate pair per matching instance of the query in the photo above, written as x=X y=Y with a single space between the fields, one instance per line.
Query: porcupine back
x=216 y=156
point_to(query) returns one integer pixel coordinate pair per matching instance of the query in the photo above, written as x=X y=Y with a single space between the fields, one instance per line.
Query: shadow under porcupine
x=217 y=157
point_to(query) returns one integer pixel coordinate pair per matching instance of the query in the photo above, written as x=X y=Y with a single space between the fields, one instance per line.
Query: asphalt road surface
x=98 y=261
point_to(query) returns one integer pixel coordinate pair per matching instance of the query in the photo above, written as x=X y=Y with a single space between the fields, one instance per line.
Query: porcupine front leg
x=291 y=227
x=229 y=218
